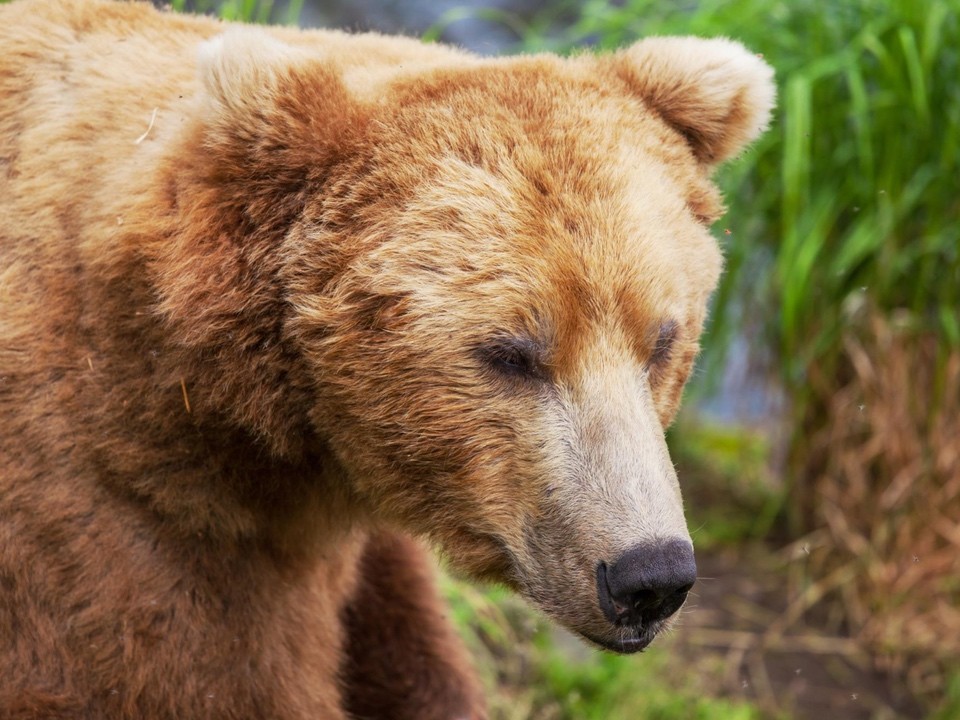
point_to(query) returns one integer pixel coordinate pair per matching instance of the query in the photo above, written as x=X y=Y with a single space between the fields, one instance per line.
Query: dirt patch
x=743 y=631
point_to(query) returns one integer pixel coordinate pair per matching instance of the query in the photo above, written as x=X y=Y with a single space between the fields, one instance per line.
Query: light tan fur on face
x=256 y=290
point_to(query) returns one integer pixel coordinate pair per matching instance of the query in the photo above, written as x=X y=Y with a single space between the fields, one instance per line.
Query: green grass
x=254 y=11
x=949 y=709
x=731 y=493
x=608 y=687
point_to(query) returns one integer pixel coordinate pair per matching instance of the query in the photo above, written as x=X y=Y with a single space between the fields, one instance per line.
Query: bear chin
x=634 y=640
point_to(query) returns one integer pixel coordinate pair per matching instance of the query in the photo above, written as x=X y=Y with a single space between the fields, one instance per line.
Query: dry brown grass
x=883 y=492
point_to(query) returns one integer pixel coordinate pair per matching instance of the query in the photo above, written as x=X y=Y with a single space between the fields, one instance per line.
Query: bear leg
x=403 y=659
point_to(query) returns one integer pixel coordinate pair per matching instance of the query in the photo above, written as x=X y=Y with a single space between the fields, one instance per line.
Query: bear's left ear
x=270 y=111
x=240 y=68
x=716 y=93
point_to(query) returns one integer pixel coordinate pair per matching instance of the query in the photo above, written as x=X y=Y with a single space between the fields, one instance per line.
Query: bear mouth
x=631 y=640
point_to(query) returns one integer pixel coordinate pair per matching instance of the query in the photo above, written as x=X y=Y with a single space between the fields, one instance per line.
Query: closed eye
x=515 y=357
x=663 y=347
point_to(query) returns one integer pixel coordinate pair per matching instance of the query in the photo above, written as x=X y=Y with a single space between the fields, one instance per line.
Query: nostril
x=645 y=599
x=648 y=582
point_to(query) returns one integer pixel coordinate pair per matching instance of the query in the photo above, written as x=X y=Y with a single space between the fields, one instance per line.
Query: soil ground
x=731 y=631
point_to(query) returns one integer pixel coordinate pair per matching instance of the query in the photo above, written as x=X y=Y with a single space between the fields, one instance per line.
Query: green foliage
x=256 y=11
x=949 y=709
x=611 y=687
x=726 y=469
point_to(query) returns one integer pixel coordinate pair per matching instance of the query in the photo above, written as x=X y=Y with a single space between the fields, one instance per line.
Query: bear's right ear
x=714 y=92
x=269 y=109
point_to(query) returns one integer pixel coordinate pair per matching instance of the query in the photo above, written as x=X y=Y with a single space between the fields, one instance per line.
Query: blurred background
x=819 y=450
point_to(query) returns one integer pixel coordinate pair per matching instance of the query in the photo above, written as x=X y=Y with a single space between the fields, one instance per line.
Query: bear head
x=494 y=274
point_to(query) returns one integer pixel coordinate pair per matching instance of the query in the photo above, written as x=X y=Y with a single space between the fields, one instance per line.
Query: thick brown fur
x=255 y=290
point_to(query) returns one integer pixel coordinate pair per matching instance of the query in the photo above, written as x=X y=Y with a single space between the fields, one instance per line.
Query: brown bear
x=275 y=303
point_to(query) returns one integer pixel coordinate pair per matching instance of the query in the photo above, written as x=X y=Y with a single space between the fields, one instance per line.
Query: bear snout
x=648 y=582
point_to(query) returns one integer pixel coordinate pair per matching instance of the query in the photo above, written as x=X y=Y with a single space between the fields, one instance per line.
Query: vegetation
x=259 y=11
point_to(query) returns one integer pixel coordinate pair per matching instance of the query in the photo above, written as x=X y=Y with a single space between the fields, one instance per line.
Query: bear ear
x=716 y=93
x=242 y=65
x=265 y=102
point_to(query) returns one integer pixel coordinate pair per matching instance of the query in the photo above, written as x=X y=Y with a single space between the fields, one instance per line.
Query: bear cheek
x=461 y=472
x=512 y=458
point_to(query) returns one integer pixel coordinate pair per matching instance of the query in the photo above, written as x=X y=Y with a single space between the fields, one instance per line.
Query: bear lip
x=625 y=645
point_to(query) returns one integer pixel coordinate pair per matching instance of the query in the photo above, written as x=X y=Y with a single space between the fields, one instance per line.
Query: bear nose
x=648 y=582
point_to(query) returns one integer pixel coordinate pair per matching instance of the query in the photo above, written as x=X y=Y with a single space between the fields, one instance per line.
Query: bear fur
x=275 y=303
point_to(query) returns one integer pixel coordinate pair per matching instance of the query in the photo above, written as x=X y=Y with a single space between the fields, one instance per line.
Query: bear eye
x=663 y=347
x=516 y=357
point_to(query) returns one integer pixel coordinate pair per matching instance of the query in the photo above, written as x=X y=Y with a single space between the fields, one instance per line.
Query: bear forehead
x=561 y=124
x=551 y=198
